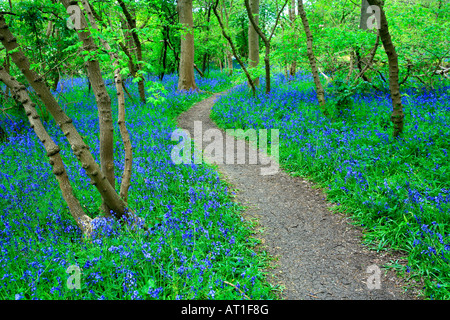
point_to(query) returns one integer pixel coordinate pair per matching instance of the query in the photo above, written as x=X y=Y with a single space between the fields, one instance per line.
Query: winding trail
x=320 y=255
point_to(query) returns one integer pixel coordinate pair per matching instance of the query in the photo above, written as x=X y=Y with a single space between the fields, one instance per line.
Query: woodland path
x=319 y=253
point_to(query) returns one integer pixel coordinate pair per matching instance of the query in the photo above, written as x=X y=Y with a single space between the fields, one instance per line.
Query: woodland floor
x=319 y=254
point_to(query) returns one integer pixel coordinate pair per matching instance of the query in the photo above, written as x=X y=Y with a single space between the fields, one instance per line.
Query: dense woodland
x=90 y=91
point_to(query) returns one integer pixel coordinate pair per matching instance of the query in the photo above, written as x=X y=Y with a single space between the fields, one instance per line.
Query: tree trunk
x=206 y=55
x=233 y=48
x=230 y=62
x=186 y=78
x=126 y=175
x=397 y=115
x=165 y=33
x=312 y=59
x=253 y=39
x=265 y=39
x=199 y=71
x=128 y=46
x=7 y=65
x=3 y=135
x=293 y=65
x=164 y=59
x=20 y=94
x=204 y=62
x=368 y=63
x=103 y=103
x=132 y=24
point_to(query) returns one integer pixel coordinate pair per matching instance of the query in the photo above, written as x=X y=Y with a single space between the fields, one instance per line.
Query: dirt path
x=320 y=255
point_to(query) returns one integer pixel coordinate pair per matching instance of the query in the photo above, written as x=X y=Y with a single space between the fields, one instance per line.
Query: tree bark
x=79 y=147
x=3 y=135
x=265 y=39
x=165 y=34
x=233 y=48
x=312 y=59
x=126 y=175
x=186 y=78
x=20 y=94
x=228 y=55
x=199 y=71
x=206 y=54
x=132 y=24
x=293 y=65
x=369 y=63
x=397 y=114
x=253 y=39
x=103 y=102
x=230 y=62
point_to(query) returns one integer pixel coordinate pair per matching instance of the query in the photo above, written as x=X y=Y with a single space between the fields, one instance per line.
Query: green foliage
x=341 y=101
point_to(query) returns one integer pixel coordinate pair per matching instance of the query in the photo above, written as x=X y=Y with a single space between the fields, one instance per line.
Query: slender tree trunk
x=79 y=147
x=166 y=45
x=265 y=39
x=128 y=46
x=350 y=69
x=397 y=114
x=175 y=53
x=253 y=39
x=369 y=63
x=132 y=24
x=103 y=102
x=186 y=79
x=126 y=175
x=220 y=64
x=230 y=62
x=233 y=48
x=3 y=135
x=163 y=59
x=53 y=152
x=206 y=55
x=7 y=65
x=293 y=65
x=199 y=71
x=204 y=62
x=312 y=59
